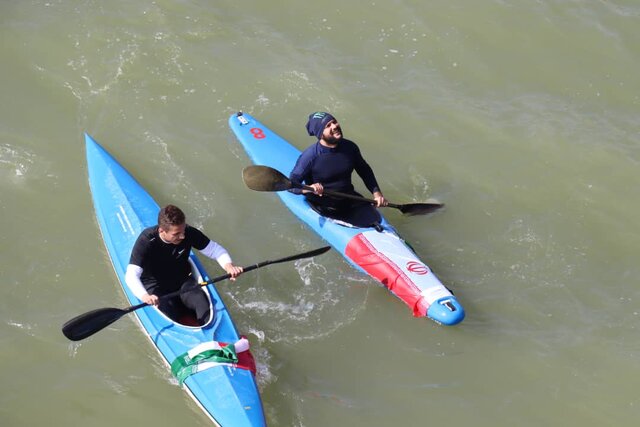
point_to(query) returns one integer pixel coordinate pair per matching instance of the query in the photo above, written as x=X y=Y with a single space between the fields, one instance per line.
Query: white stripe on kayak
x=121 y=222
x=241 y=345
x=126 y=218
x=397 y=254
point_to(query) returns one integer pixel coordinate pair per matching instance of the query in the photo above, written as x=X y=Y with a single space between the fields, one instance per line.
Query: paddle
x=87 y=324
x=264 y=178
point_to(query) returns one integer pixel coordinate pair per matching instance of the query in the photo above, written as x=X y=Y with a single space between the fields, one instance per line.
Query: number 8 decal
x=257 y=133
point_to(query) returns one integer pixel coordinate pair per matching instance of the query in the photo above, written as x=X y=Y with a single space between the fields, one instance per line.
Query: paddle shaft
x=409 y=208
x=265 y=178
x=228 y=276
x=338 y=194
x=89 y=323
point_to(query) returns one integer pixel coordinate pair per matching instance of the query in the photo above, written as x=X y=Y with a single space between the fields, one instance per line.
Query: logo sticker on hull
x=417 y=268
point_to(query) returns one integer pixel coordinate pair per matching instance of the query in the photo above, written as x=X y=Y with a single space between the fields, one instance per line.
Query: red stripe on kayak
x=245 y=359
x=374 y=262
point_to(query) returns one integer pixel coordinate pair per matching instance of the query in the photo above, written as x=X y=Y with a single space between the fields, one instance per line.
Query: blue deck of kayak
x=228 y=395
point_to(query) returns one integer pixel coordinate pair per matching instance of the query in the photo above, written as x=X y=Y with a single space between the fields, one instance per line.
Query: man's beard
x=333 y=140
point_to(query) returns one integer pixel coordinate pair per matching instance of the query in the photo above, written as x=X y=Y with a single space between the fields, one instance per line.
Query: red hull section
x=379 y=266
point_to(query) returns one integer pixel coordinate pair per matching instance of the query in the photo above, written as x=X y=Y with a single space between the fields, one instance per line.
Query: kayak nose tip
x=447 y=311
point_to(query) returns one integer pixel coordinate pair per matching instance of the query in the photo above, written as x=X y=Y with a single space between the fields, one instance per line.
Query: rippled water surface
x=522 y=116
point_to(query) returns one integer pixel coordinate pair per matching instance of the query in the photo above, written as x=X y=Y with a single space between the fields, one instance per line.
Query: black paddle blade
x=264 y=178
x=87 y=324
x=420 y=208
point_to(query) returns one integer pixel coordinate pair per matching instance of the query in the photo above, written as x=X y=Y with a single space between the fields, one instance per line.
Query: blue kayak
x=226 y=392
x=383 y=255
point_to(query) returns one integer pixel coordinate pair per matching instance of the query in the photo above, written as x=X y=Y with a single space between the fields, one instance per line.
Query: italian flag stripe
x=206 y=356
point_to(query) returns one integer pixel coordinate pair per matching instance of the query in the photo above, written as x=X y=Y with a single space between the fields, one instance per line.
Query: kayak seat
x=188 y=319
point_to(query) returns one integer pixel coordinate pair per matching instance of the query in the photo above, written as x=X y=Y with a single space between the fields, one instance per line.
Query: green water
x=523 y=117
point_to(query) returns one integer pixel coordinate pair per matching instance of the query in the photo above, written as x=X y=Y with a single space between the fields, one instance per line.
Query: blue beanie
x=317 y=122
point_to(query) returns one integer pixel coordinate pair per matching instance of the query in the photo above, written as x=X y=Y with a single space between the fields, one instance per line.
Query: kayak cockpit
x=187 y=316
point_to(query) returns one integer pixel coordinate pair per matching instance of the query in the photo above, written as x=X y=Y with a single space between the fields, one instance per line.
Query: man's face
x=174 y=235
x=332 y=132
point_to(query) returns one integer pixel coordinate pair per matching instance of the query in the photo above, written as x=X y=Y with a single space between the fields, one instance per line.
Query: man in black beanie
x=329 y=164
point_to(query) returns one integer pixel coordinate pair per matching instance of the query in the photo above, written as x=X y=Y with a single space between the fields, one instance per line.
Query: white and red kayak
x=383 y=255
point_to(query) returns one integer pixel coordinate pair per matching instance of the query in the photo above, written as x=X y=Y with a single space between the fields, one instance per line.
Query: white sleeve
x=132 y=277
x=217 y=252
